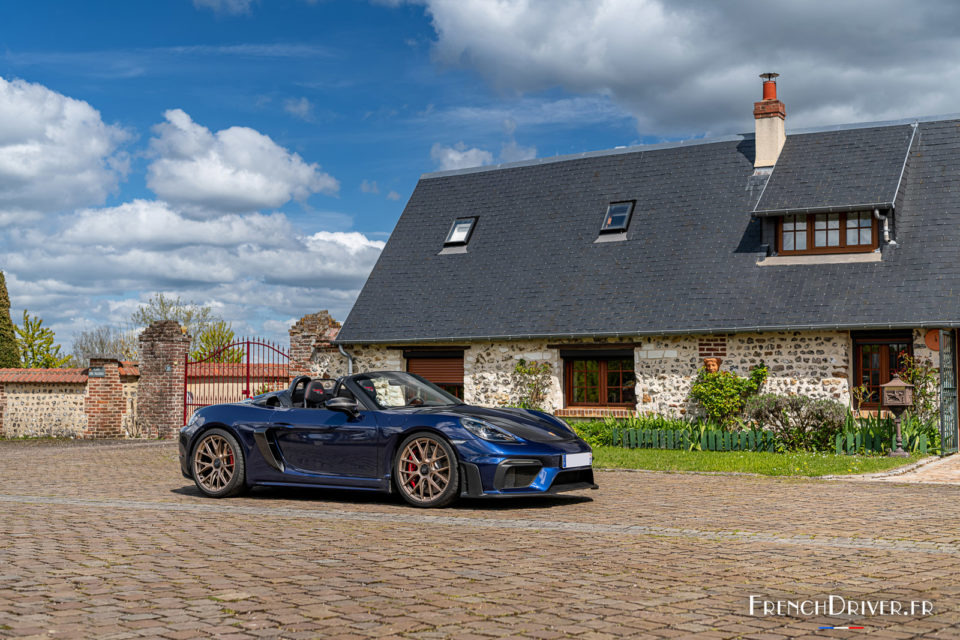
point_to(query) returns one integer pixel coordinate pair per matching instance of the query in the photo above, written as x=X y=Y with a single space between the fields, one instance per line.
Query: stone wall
x=44 y=410
x=815 y=364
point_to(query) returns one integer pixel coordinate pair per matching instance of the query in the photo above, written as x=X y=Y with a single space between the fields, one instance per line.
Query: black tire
x=217 y=464
x=419 y=473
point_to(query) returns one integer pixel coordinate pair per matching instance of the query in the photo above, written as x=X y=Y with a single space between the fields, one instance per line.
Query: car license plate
x=577 y=460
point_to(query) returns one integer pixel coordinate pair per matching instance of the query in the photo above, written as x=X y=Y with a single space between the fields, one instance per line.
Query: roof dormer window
x=853 y=232
x=617 y=218
x=460 y=232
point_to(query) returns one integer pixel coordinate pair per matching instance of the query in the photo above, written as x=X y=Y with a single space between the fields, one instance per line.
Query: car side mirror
x=343 y=405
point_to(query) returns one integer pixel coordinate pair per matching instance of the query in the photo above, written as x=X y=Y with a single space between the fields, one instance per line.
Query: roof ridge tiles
x=659 y=146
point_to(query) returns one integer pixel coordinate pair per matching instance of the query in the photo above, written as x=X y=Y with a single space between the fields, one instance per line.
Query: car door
x=328 y=444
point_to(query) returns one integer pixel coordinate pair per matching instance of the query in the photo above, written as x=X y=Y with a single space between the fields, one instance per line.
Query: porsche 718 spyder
x=381 y=431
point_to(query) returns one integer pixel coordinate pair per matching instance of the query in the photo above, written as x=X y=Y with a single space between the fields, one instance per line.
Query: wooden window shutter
x=442 y=370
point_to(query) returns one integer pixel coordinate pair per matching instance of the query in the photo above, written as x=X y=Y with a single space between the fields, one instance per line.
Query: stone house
x=824 y=253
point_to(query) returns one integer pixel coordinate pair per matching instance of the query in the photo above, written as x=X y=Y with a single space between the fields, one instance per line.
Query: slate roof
x=847 y=170
x=689 y=261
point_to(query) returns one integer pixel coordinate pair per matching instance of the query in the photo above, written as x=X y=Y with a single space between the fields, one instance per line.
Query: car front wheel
x=217 y=464
x=425 y=471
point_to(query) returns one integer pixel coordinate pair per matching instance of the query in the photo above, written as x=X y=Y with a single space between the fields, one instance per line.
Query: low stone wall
x=44 y=410
x=69 y=403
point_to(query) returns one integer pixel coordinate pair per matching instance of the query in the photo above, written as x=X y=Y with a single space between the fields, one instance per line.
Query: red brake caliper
x=411 y=467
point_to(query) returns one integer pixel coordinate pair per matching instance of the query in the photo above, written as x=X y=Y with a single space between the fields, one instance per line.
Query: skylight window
x=460 y=232
x=617 y=218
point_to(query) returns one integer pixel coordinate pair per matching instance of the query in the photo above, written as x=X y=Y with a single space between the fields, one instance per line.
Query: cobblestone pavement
x=109 y=541
x=942 y=471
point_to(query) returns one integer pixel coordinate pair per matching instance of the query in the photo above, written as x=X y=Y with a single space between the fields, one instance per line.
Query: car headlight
x=486 y=431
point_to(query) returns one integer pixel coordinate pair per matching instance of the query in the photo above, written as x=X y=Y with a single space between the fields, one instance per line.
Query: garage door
x=442 y=368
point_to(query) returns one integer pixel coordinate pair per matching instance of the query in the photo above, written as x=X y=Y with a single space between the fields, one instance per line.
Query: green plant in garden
x=721 y=395
x=799 y=423
x=211 y=343
x=37 y=346
x=532 y=382
x=9 y=353
x=925 y=379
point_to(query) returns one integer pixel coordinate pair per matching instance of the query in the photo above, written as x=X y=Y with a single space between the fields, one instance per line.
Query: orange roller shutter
x=438 y=370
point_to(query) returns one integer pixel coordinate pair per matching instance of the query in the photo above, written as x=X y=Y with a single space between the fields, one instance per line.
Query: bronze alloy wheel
x=218 y=464
x=427 y=471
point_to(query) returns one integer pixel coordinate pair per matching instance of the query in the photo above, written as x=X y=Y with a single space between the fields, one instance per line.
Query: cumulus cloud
x=55 y=152
x=369 y=186
x=233 y=170
x=393 y=195
x=146 y=246
x=228 y=7
x=459 y=156
x=686 y=68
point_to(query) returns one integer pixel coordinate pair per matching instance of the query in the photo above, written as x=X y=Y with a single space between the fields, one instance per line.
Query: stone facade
x=38 y=409
x=816 y=364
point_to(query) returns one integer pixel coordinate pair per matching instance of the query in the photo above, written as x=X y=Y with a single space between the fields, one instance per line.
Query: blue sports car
x=381 y=431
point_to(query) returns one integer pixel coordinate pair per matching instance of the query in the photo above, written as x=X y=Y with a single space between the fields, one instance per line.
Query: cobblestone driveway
x=109 y=541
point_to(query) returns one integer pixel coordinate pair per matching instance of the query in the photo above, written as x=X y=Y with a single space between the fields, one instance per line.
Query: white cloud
x=55 y=152
x=393 y=195
x=512 y=152
x=688 y=68
x=251 y=268
x=233 y=170
x=459 y=156
x=228 y=7
x=154 y=224
x=299 y=107
x=369 y=186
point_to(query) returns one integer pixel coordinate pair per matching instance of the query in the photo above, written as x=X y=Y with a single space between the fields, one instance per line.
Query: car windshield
x=392 y=389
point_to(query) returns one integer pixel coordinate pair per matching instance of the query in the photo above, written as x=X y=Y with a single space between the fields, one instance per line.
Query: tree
x=212 y=340
x=105 y=340
x=37 y=347
x=9 y=354
x=192 y=316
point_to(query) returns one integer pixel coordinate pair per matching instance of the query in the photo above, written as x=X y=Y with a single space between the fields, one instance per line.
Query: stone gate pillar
x=163 y=352
x=104 y=403
x=311 y=351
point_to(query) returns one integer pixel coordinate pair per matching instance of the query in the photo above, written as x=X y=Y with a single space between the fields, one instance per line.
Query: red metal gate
x=241 y=369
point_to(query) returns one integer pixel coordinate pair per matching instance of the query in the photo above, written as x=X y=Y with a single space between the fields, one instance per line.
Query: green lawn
x=768 y=464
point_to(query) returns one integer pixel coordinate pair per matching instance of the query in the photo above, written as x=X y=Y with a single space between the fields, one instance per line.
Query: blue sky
x=254 y=155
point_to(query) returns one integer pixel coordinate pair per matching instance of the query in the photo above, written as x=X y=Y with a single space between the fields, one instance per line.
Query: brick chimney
x=769 y=114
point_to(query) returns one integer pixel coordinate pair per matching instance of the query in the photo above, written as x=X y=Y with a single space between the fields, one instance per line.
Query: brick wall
x=163 y=351
x=104 y=406
x=311 y=350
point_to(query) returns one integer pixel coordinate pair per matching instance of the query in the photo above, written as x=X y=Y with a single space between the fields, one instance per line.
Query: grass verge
x=768 y=464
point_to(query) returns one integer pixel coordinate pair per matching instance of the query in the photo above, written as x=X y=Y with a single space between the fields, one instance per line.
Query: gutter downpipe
x=349 y=358
x=886 y=226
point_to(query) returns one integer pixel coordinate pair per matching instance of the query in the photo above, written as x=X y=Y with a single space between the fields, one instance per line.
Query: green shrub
x=599 y=433
x=532 y=382
x=799 y=423
x=721 y=395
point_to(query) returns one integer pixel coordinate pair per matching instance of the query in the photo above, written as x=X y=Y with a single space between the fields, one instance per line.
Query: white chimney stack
x=769 y=114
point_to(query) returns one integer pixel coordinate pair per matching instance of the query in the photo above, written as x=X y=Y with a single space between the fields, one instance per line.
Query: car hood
x=519 y=422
